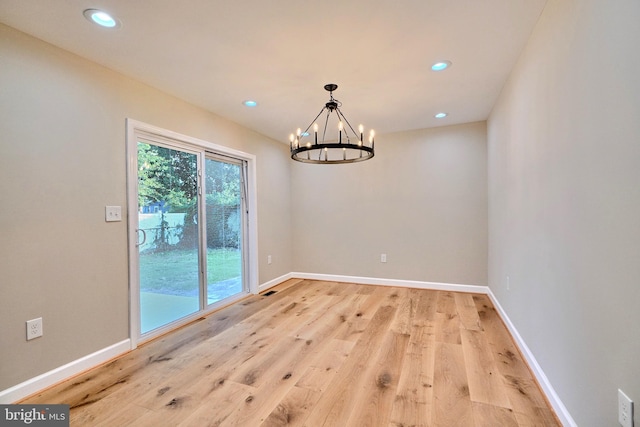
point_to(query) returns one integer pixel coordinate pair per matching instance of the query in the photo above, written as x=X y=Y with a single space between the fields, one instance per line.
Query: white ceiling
x=281 y=53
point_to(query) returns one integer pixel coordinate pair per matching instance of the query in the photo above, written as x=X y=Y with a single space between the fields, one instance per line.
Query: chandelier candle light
x=348 y=147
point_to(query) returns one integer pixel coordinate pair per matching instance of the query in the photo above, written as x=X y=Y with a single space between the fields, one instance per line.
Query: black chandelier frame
x=350 y=146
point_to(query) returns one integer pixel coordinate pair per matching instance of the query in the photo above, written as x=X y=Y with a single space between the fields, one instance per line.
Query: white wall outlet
x=268 y=259
x=34 y=328
x=508 y=283
x=625 y=410
x=383 y=257
x=113 y=213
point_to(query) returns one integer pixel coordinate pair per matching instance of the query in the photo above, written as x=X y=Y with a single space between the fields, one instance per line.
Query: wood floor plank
x=296 y=406
x=215 y=410
x=218 y=357
x=446 y=303
x=375 y=401
x=306 y=334
x=294 y=409
x=339 y=288
x=542 y=417
x=201 y=395
x=364 y=307
x=452 y=403
x=124 y=415
x=290 y=362
x=366 y=289
x=320 y=353
x=492 y=416
x=529 y=406
x=504 y=350
x=413 y=405
x=220 y=354
x=520 y=387
x=447 y=321
x=353 y=328
x=327 y=363
x=466 y=308
x=216 y=372
x=221 y=359
x=426 y=307
x=406 y=307
x=485 y=381
x=336 y=311
x=335 y=405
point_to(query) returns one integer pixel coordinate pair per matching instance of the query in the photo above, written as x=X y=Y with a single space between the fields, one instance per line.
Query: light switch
x=113 y=213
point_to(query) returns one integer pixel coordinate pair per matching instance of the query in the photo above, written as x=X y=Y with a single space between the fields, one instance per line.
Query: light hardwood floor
x=320 y=354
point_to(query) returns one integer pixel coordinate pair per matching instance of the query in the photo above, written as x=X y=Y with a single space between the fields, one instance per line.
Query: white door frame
x=134 y=128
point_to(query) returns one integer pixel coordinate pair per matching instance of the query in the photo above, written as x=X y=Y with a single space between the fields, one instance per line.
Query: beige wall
x=62 y=159
x=422 y=200
x=564 y=198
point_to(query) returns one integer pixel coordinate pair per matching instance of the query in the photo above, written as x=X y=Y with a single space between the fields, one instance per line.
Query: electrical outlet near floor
x=34 y=328
x=625 y=410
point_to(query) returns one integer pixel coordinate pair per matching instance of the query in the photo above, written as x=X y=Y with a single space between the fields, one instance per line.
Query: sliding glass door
x=190 y=232
x=224 y=199
x=168 y=227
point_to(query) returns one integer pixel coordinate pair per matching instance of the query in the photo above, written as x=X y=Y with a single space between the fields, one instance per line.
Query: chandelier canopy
x=344 y=146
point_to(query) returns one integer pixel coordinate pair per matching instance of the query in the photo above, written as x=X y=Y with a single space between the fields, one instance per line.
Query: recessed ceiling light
x=250 y=103
x=440 y=115
x=441 y=65
x=101 y=18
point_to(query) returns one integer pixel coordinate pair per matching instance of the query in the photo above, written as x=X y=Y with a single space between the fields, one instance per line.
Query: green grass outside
x=175 y=272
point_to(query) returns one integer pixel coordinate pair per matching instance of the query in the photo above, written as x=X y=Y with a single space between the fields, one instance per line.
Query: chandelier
x=346 y=146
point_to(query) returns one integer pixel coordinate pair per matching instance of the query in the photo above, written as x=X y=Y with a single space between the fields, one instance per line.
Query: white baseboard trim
x=36 y=384
x=393 y=282
x=274 y=282
x=545 y=384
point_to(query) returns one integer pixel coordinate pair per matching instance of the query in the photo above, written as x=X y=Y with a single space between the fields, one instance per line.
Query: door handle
x=144 y=237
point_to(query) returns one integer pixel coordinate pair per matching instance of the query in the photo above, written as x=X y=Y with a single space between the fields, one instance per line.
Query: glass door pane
x=168 y=224
x=223 y=184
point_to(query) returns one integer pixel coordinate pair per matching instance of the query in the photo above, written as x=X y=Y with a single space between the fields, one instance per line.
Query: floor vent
x=266 y=294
